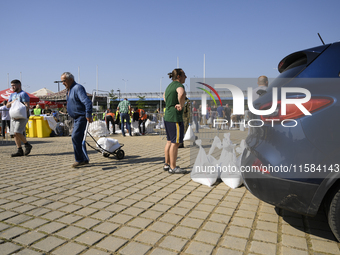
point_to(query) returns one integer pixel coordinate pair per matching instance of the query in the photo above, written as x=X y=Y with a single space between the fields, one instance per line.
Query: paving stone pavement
x=132 y=206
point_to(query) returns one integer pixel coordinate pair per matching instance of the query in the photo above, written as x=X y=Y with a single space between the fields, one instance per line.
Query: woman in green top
x=174 y=97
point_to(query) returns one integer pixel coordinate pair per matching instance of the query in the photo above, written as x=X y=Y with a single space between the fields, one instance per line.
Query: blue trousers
x=196 y=124
x=125 y=116
x=77 y=139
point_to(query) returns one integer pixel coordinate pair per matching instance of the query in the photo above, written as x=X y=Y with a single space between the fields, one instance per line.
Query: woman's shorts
x=174 y=131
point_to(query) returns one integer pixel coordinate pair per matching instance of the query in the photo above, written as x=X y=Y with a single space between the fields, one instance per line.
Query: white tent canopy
x=43 y=92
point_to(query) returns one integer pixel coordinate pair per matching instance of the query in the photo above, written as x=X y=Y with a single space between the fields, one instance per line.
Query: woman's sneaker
x=166 y=167
x=177 y=170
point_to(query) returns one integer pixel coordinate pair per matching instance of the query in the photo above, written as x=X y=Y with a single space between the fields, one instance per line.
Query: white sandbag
x=98 y=128
x=51 y=123
x=147 y=123
x=216 y=144
x=226 y=142
x=230 y=170
x=108 y=144
x=232 y=176
x=241 y=148
x=189 y=135
x=204 y=170
x=18 y=110
x=227 y=155
x=160 y=124
x=149 y=126
x=134 y=127
x=193 y=125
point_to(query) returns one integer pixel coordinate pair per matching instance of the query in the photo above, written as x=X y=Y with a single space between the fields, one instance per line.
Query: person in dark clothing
x=227 y=113
x=141 y=120
x=110 y=117
x=135 y=116
x=79 y=107
x=47 y=110
x=118 y=119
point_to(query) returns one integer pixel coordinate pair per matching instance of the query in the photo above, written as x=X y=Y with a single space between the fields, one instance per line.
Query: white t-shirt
x=4 y=113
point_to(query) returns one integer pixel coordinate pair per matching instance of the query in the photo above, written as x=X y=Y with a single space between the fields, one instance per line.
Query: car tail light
x=292 y=111
x=257 y=165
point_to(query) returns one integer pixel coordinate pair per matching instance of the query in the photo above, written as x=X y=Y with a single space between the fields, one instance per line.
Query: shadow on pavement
x=317 y=226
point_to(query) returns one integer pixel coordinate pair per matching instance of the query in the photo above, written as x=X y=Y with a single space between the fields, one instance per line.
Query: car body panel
x=313 y=141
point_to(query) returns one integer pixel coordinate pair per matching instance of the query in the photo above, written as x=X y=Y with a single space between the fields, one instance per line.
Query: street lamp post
x=161 y=97
x=118 y=90
x=58 y=84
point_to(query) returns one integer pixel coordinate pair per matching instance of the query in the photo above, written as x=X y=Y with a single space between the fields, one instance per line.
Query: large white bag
x=204 y=170
x=18 y=110
x=230 y=169
x=108 y=144
x=189 y=135
x=241 y=148
x=98 y=128
x=134 y=127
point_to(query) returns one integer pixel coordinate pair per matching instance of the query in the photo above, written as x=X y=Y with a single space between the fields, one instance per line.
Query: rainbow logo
x=208 y=92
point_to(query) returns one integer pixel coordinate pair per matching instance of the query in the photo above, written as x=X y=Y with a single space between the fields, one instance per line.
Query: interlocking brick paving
x=133 y=206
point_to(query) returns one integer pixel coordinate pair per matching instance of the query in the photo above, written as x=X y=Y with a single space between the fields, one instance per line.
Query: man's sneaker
x=28 y=149
x=19 y=153
x=177 y=170
x=166 y=167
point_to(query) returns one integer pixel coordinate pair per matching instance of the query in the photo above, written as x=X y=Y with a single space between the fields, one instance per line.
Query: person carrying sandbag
x=19 y=103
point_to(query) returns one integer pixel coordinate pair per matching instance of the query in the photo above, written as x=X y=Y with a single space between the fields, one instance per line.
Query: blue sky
x=140 y=41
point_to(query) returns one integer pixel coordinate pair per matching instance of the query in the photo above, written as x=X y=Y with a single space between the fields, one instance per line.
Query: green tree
x=141 y=102
x=113 y=98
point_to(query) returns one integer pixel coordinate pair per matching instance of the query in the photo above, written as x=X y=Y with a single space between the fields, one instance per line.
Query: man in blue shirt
x=219 y=114
x=79 y=107
x=18 y=126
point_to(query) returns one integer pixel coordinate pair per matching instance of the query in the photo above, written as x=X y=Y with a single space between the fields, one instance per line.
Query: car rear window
x=293 y=60
x=295 y=63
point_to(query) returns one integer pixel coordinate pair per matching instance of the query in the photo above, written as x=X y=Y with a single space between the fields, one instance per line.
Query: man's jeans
x=5 y=123
x=125 y=116
x=196 y=123
x=77 y=139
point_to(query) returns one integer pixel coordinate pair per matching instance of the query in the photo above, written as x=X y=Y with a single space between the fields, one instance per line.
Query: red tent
x=4 y=95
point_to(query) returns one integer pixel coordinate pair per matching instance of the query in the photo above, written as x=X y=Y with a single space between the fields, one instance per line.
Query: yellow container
x=43 y=129
x=32 y=127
